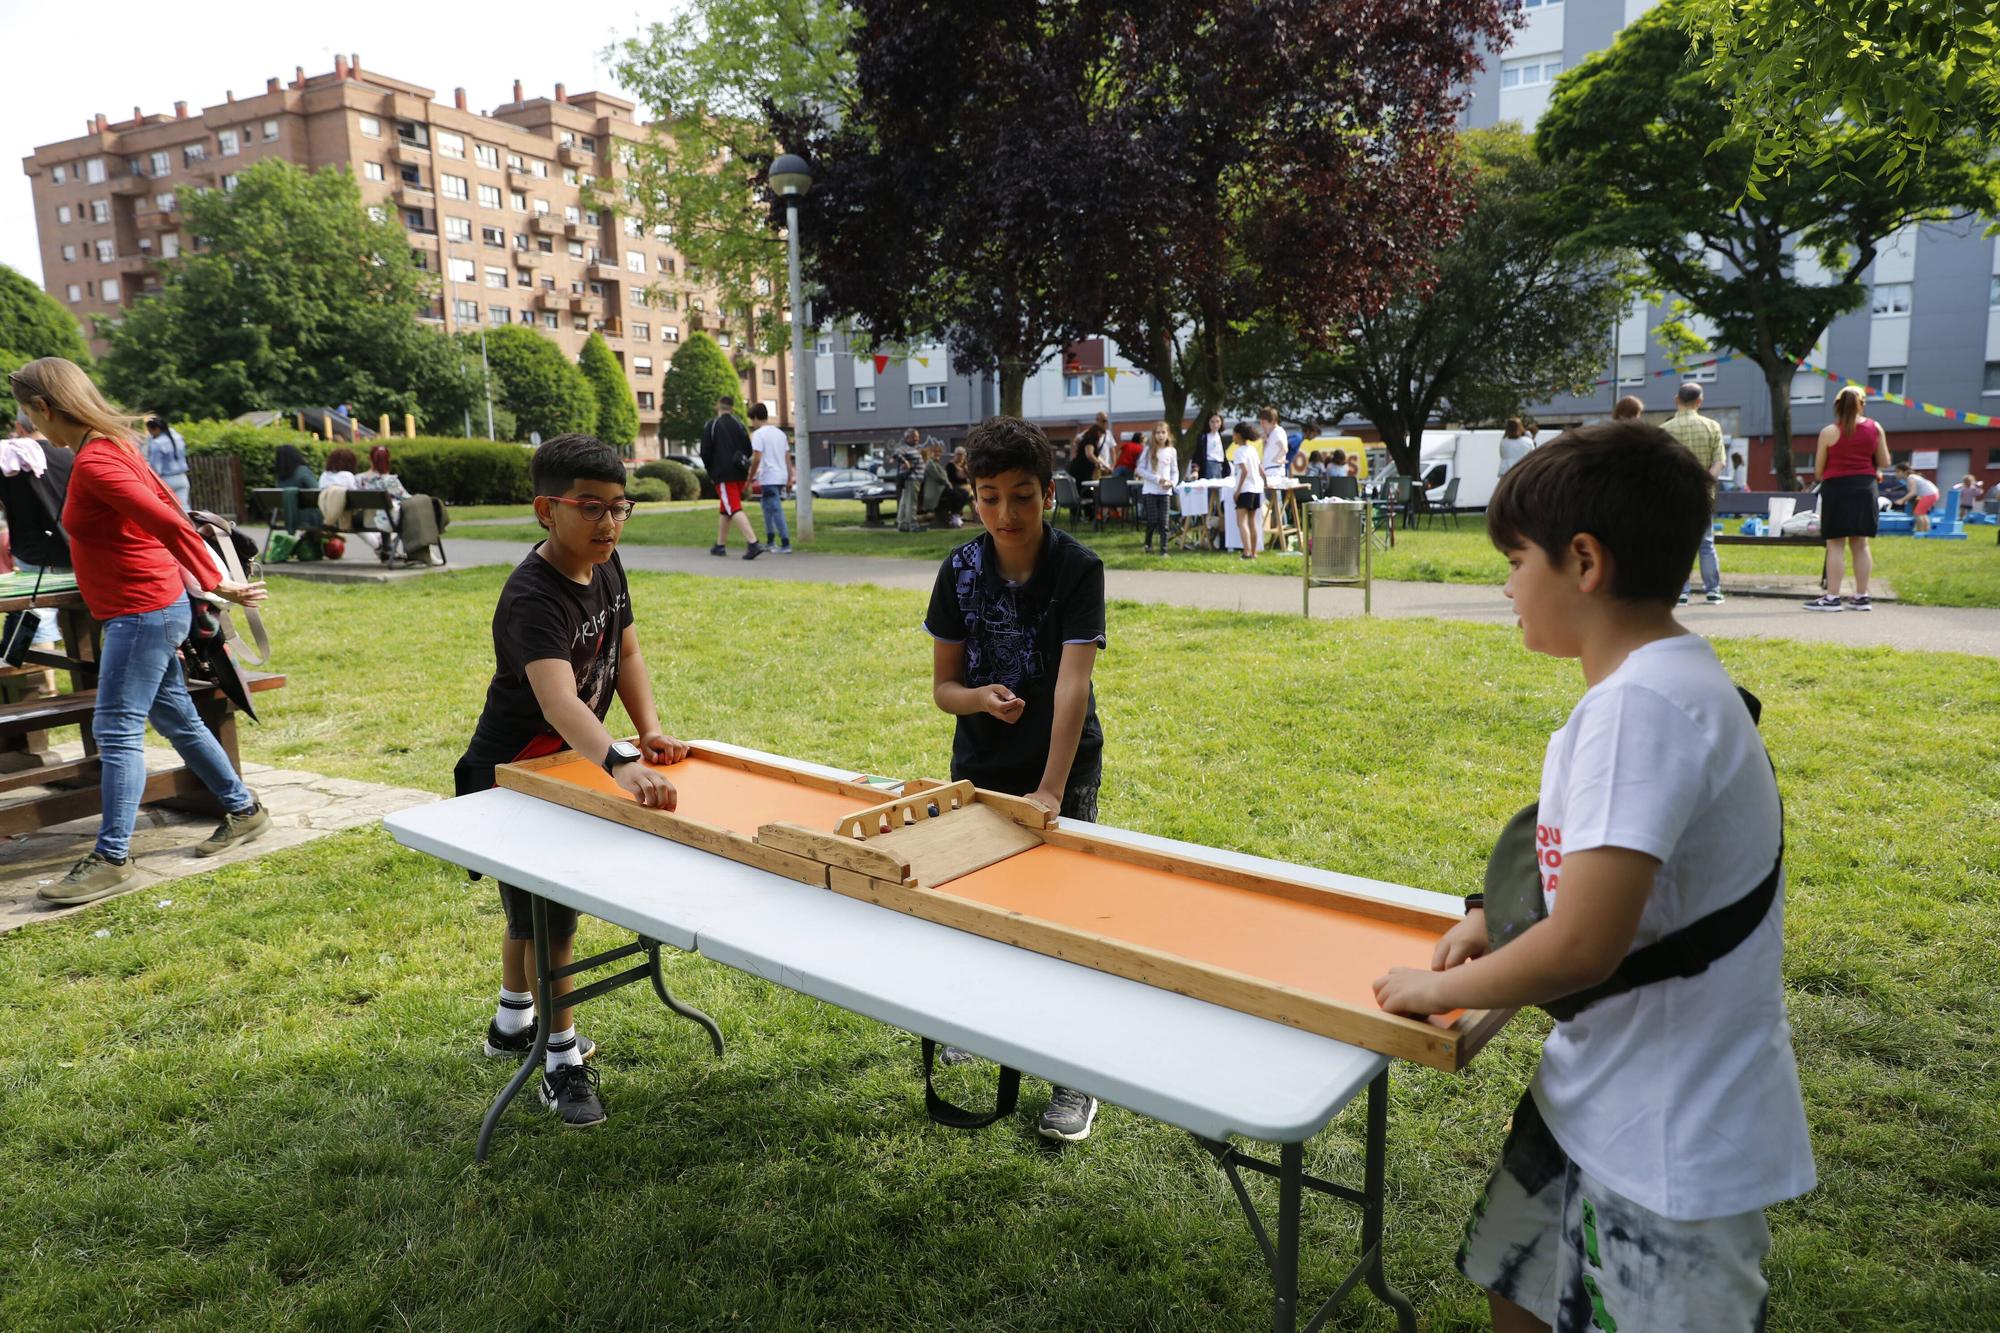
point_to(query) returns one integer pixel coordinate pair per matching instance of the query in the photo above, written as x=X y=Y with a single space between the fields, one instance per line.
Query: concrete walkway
x=303 y=806
x=1918 y=628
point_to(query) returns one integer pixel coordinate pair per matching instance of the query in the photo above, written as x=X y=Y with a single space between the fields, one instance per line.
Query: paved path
x=1922 y=628
x=303 y=806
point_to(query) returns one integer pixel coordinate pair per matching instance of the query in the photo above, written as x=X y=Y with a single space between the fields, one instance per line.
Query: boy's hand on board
x=1409 y=990
x=1001 y=702
x=660 y=748
x=647 y=786
x=1462 y=943
x=1049 y=801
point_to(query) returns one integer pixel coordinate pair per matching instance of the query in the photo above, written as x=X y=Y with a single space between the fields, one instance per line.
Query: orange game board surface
x=726 y=797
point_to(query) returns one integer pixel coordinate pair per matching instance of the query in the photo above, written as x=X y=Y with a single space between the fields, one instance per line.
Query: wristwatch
x=621 y=752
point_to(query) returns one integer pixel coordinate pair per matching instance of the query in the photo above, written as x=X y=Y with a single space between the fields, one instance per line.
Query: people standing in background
x=34 y=483
x=1157 y=468
x=725 y=453
x=1277 y=444
x=167 y=454
x=1848 y=459
x=1701 y=437
x=1970 y=490
x=1739 y=473
x=1083 y=462
x=771 y=471
x=1128 y=457
x=1514 y=444
x=1628 y=408
x=1246 y=462
x=1213 y=465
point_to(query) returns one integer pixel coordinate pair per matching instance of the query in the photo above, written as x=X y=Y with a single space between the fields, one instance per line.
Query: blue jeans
x=1711 y=572
x=139 y=679
x=773 y=500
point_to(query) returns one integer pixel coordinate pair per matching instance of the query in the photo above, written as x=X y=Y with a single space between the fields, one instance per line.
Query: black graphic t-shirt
x=1014 y=636
x=543 y=614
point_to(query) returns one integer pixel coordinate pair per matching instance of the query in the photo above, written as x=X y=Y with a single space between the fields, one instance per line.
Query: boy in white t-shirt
x=1665 y=1118
x=772 y=471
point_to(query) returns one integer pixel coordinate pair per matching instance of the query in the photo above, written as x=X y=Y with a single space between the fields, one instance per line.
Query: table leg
x=686 y=1011
x=1285 y=1259
x=1374 y=1186
x=544 y=988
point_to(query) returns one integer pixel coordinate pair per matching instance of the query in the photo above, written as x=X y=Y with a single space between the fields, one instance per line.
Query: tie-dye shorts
x=1553 y=1240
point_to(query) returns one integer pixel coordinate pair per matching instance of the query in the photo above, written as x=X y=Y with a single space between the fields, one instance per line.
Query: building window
x=458 y=229
x=635 y=261
x=106 y=252
x=826 y=407
x=637 y=296
x=466 y=312
x=270 y=130
x=632 y=227
x=589 y=143
x=461 y=270
x=487 y=156
x=671 y=334
x=371 y=127
x=108 y=289
x=569 y=175
x=927 y=395
x=1890 y=298
x=450 y=145
x=1087 y=385
x=1632 y=368
x=63 y=214
x=517 y=201
x=1540 y=4
x=642 y=365
x=489 y=196
x=523 y=278
x=645 y=400
x=1808 y=389
x=69 y=254
x=501 y=314
x=93 y=171
x=1992 y=385
x=571 y=213
x=159 y=164
x=665 y=264
x=75 y=293
x=225 y=142
x=170 y=245
x=822 y=344
x=413 y=218
x=575 y=249
x=594 y=288
x=454 y=186
x=494 y=236
x=413 y=134
x=58 y=174
x=1886 y=381
x=541 y=208
x=377 y=213
x=100 y=209
x=770 y=377
x=164 y=202
x=538 y=168
x=372 y=171
x=722 y=338
x=497 y=277
x=549 y=320
x=864 y=399
x=1533 y=72
x=194 y=153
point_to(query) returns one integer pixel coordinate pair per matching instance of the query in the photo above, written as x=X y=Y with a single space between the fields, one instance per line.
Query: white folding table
x=1208 y=1070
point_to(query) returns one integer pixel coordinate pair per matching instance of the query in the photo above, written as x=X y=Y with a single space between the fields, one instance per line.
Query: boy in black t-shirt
x=563 y=642
x=1018 y=619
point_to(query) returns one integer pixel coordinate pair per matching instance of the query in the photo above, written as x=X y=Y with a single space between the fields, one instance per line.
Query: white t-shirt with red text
x=1683 y=1096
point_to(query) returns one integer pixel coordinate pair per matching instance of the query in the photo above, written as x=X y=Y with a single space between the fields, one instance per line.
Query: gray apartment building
x=1930 y=331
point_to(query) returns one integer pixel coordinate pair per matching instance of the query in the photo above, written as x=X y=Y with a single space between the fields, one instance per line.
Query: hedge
x=457 y=471
x=681 y=481
x=647 y=489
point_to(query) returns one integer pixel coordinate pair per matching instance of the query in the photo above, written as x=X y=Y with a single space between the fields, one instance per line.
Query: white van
x=1470 y=456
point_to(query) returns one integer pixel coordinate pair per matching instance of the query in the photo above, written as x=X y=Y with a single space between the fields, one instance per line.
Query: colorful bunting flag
x=881 y=362
x=1928 y=409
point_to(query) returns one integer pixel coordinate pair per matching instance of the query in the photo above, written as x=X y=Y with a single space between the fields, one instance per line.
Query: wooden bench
x=872 y=507
x=76 y=782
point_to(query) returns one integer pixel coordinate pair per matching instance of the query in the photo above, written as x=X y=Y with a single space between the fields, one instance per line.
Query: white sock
x=516 y=1011
x=562 y=1048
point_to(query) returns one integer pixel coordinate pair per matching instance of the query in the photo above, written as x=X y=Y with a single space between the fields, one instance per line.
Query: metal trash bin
x=1338 y=549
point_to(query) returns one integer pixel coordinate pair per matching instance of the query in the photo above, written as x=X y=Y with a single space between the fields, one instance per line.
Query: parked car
x=693 y=463
x=848 y=483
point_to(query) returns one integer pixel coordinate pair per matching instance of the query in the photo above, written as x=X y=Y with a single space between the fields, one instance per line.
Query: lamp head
x=790 y=176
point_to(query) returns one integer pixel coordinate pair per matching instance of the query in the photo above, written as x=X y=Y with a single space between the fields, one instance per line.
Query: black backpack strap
x=957 y=1117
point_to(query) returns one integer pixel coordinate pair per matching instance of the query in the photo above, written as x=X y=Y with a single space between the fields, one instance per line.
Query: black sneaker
x=1826 y=603
x=499 y=1045
x=718 y=549
x=1068 y=1115
x=1860 y=603
x=756 y=549
x=570 y=1091
x=1713 y=598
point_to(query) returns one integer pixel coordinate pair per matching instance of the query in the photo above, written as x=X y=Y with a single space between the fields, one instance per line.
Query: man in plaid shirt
x=1703 y=439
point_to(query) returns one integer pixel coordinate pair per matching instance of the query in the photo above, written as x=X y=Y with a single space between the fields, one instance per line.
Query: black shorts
x=1847 y=507
x=1250 y=500
x=519 y=905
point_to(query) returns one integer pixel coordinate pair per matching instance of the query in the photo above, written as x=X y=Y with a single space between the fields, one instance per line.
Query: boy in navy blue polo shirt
x=1018 y=618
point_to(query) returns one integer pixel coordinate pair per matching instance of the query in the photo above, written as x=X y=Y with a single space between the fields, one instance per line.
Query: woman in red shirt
x=1851 y=455
x=131 y=544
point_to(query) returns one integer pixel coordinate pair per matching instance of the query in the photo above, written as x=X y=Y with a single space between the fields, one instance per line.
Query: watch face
x=624 y=750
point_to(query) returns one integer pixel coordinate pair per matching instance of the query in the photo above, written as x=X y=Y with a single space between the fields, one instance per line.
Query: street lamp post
x=790 y=178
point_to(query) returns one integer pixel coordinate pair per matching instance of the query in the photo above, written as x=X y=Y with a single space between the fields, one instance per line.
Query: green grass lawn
x=1930 y=573
x=255 y=1108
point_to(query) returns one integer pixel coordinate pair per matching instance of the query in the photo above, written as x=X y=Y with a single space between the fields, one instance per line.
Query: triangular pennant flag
x=924 y=361
x=1112 y=371
x=881 y=362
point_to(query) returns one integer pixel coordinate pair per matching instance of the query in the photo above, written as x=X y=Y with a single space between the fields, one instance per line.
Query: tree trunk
x=1396 y=439
x=1013 y=386
x=1778 y=379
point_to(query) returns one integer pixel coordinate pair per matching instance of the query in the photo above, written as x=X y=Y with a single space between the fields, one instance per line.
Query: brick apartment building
x=495 y=204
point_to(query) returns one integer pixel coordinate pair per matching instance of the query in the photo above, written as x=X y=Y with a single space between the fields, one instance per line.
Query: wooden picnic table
x=25 y=759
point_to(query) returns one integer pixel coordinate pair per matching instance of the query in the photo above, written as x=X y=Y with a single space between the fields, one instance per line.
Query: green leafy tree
x=1797 y=74
x=698 y=375
x=617 y=413
x=290 y=295
x=1654 y=164
x=1515 y=314
x=33 y=324
x=543 y=389
x=711 y=77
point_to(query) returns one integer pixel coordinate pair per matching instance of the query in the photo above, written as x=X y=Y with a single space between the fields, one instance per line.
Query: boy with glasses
x=563 y=642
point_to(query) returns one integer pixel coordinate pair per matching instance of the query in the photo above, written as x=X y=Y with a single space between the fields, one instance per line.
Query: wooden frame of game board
x=901 y=853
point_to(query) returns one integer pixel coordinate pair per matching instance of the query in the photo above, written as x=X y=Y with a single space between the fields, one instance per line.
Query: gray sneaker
x=236 y=828
x=1068 y=1115
x=88 y=880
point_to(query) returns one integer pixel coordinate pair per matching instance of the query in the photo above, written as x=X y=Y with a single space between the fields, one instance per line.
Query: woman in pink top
x=1851 y=455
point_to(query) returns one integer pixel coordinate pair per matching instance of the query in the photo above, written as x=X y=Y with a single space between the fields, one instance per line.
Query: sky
x=67 y=64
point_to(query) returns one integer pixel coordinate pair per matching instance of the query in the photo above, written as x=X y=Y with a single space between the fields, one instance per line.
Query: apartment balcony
x=527 y=258
x=611 y=328
x=572 y=156
x=546 y=224
x=132 y=185
x=149 y=216
x=587 y=305
x=414 y=196
x=546 y=300
x=138 y=266
x=520 y=178
x=409 y=155
x=603 y=272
